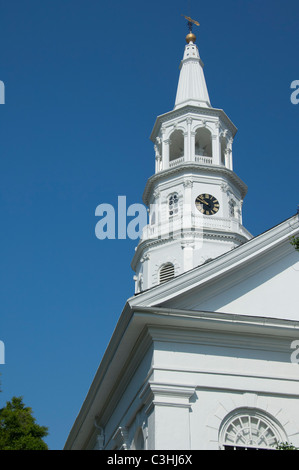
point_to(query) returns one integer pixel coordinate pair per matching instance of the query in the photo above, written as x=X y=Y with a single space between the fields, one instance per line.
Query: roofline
x=175 y=113
x=132 y=323
x=195 y=168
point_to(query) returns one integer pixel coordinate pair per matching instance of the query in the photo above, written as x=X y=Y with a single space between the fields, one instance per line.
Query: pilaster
x=168 y=408
x=188 y=152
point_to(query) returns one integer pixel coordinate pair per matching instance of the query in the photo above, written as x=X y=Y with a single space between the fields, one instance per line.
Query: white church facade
x=201 y=357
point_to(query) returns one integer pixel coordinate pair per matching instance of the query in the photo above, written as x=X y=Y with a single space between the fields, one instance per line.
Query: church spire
x=194 y=198
x=192 y=88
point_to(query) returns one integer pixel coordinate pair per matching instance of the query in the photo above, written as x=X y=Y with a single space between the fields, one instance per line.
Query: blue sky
x=84 y=83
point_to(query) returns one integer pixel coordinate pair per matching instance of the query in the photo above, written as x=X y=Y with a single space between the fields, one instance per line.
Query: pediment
x=265 y=287
x=259 y=278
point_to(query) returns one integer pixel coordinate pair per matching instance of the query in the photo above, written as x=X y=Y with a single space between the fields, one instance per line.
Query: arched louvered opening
x=166 y=272
x=176 y=145
x=203 y=142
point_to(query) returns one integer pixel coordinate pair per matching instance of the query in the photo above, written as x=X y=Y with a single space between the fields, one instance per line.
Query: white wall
x=190 y=380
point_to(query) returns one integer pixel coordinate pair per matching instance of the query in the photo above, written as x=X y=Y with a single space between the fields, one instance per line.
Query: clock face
x=207 y=204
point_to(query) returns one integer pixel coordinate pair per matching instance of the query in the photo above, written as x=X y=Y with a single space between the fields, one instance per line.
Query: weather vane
x=191 y=36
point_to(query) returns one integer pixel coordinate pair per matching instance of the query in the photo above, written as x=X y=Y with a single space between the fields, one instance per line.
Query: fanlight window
x=166 y=272
x=251 y=430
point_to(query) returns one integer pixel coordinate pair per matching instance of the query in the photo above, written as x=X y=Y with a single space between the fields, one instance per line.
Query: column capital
x=173 y=395
x=188 y=183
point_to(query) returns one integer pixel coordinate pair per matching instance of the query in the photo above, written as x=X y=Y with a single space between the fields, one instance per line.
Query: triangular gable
x=263 y=288
x=259 y=278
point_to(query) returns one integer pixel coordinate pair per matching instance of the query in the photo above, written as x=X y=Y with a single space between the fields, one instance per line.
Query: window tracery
x=250 y=430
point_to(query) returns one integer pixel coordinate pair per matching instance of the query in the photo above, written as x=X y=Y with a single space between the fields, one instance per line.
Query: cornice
x=134 y=359
x=195 y=168
x=215 y=234
x=215 y=338
x=189 y=109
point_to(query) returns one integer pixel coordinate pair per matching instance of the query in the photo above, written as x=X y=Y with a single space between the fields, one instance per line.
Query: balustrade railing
x=203 y=159
x=176 y=162
x=190 y=221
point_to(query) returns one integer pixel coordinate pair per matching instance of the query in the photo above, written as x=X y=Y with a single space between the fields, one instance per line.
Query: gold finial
x=191 y=36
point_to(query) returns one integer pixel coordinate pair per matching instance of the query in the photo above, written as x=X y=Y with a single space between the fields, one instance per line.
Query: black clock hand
x=205 y=202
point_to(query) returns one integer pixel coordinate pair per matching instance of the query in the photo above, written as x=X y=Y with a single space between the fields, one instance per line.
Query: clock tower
x=194 y=198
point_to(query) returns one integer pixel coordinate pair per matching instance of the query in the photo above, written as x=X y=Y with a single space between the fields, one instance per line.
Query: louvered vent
x=166 y=272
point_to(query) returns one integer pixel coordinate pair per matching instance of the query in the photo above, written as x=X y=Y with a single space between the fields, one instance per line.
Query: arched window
x=173 y=205
x=250 y=429
x=176 y=145
x=203 y=142
x=166 y=272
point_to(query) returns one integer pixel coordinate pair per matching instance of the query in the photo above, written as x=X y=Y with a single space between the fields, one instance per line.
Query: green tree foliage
x=286 y=446
x=18 y=428
x=295 y=242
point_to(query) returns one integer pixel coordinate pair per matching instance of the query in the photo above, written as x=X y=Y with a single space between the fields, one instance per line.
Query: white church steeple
x=194 y=198
x=192 y=88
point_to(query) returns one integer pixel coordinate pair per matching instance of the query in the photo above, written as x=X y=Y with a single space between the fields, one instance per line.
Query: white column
x=157 y=159
x=192 y=140
x=227 y=158
x=230 y=149
x=186 y=146
x=188 y=254
x=146 y=281
x=188 y=153
x=216 y=151
x=165 y=154
x=187 y=205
